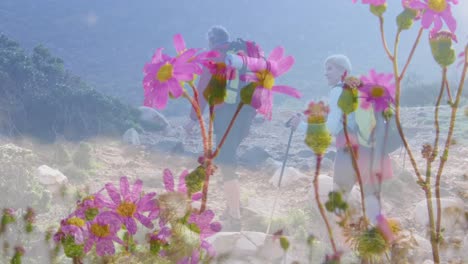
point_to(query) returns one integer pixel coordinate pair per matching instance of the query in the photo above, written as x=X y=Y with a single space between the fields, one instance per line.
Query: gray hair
x=218 y=34
x=341 y=61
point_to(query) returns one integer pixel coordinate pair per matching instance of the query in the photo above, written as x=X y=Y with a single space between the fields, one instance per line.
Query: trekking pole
x=288 y=124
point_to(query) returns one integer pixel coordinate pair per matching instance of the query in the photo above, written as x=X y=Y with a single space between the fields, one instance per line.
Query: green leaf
x=378 y=10
x=215 y=92
x=284 y=242
x=405 y=19
x=247 y=93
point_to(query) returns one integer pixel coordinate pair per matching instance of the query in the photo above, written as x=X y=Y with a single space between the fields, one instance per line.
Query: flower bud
x=378 y=10
x=441 y=47
x=405 y=19
x=348 y=101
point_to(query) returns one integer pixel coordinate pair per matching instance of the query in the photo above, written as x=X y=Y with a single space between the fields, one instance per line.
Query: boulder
x=131 y=137
x=50 y=177
x=254 y=156
x=453 y=216
x=152 y=117
x=290 y=176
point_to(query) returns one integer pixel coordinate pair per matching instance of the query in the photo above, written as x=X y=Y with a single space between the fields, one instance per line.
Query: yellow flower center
x=165 y=72
x=377 y=91
x=126 y=209
x=437 y=5
x=265 y=79
x=90 y=197
x=76 y=221
x=100 y=230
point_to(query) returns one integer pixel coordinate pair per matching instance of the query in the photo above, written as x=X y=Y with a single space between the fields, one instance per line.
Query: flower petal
x=113 y=193
x=175 y=88
x=146 y=203
x=105 y=247
x=179 y=43
x=158 y=56
x=449 y=20
x=184 y=57
x=283 y=66
x=168 y=180
x=124 y=187
x=209 y=248
x=276 y=54
x=286 y=90
x=267 y=104
x=257 y=97
x=253 y=50
x=181 y=187
x=184 y=72
x=146 y=221
x=131 y=225
x=427 y=18
x=197 y=196
x=249 y=78
x=136 y=190
x=161 y=96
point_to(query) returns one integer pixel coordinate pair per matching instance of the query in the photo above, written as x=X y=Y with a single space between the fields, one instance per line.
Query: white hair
x=341 y=61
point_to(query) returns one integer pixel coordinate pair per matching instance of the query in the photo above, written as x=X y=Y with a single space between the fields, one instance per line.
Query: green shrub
x=42 y=99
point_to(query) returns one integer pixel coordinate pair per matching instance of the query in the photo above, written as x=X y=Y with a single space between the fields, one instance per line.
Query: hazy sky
x=107 y=42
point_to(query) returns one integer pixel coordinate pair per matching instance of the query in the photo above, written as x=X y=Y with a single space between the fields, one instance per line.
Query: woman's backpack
x=373 y=130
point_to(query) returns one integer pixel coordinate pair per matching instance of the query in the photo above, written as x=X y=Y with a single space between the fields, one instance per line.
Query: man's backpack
x=234 y=86
x=374 y=130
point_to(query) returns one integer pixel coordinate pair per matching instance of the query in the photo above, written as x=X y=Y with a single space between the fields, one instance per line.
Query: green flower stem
x=413 y=49
x=77 y=260
x=397 y=109
x=355 y=165
x=209 y=157
x=444 y=157
x=209 y=171
x=449 y=94
x=384 y=41
x=320 y=206
x=196 y=107
x=210 y=128
x=426 y=188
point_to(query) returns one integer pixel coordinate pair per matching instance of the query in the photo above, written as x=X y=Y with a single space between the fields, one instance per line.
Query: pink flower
x=130 y=205
x=377 y=89
x=89 y=207
x=102 y=231
x=264 y=76
x=71 y=226
x=163 y=77
x=168 y=179
x=207 y=228
x=434 y=11
x=384 y=226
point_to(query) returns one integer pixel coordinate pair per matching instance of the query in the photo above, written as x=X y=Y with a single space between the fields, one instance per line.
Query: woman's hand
x=294 y=121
